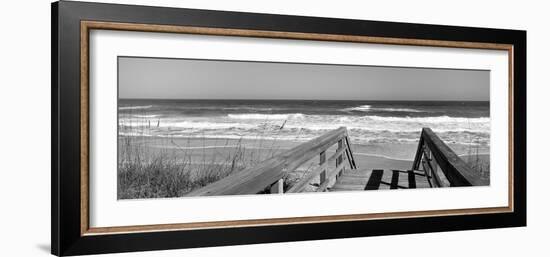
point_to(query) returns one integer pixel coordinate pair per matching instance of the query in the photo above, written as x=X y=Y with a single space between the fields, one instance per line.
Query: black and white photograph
x=198 y=127
x=274 y=128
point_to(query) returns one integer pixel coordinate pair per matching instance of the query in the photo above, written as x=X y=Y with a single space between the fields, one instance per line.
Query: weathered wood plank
x=277 y=187
x=418 y=155
x=386 y=180
x=338 y=147
x=323 y=174
x=352 y=180
x=359 y=177
x=346 y=187
x=359 y=180
x=350 y=152
x=357 y=173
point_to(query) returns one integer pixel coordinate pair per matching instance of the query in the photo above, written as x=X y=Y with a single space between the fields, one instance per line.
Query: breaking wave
x=369 y=108
x=258 y=116
x=134 y=107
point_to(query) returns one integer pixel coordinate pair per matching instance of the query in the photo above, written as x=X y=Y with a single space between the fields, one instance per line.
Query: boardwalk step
x=378 y=179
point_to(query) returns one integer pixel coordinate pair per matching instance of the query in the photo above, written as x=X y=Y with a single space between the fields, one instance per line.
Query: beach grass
x=166 y=173
x=479 y=162
x=174 y=170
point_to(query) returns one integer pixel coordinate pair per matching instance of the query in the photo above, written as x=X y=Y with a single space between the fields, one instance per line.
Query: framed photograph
x=178 y=128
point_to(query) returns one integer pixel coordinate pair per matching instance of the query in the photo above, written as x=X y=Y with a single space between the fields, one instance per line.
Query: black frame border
x=66 y=238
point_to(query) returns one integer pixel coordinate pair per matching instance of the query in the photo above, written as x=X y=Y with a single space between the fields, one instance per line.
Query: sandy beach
x=198 y=155
x=373 y=156
x=207 y=159
x=208 y=150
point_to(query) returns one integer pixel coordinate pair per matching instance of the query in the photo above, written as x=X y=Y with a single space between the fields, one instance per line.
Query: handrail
x=302 y=183
x=271 y=171
x=431 y=148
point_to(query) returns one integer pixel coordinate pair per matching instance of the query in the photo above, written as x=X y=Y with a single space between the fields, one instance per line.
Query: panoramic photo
x=190 y=127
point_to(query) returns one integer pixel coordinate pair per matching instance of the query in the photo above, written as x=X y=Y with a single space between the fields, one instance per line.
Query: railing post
x=425 y=159
x=323 y=174
x=349 y=153
x=277 y=187
x=339 y=158
x=419 y=152
x=430 y=167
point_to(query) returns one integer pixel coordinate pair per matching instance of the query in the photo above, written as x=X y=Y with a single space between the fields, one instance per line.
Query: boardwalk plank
x=347 y=187
x=386 y=180
x=352 y=180
x=394 y=179
x=412 y=180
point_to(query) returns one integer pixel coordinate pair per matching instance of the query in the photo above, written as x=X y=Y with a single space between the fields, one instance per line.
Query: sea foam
x=134 y=107
x=258 y=116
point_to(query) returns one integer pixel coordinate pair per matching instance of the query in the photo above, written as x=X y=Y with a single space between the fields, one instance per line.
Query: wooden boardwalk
x=435 y=165
x=377 y=179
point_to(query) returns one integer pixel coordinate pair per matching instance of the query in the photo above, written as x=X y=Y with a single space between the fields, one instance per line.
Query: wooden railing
x=270 y=172
x=433 y=155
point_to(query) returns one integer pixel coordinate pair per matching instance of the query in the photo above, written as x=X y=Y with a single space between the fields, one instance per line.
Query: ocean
x=462 y=124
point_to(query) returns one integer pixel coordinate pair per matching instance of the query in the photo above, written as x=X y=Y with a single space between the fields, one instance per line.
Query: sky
x=165 y=78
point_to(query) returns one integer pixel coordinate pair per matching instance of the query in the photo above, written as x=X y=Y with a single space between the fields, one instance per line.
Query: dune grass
x=480 y=163
x=174 y=171
x=167 y=173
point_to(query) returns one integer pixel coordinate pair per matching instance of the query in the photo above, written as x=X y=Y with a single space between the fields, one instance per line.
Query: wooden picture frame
x=71 y=25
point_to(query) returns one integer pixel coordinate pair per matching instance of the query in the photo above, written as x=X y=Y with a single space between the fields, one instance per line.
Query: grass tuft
x=174 y=170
